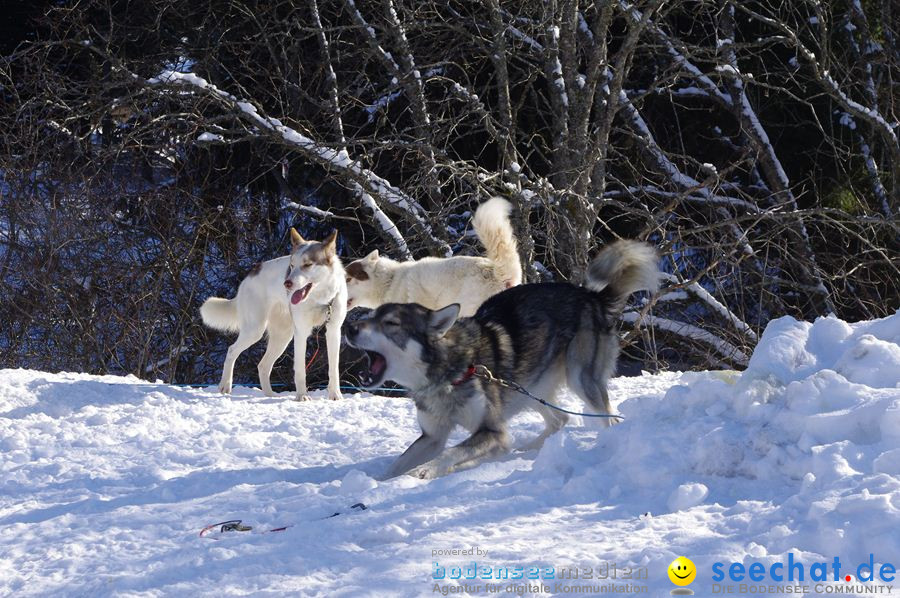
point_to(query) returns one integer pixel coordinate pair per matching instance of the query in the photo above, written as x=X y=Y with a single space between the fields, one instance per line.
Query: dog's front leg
x=333 y=342
x=301 y=334
x=423 y=449
x=481 y=445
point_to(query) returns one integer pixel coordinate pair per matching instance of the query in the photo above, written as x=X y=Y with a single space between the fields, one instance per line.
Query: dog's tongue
x=300 y=294
x=377 y=366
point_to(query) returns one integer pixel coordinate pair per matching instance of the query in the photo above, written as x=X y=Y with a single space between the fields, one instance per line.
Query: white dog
x=438 y=282
x=286 y=297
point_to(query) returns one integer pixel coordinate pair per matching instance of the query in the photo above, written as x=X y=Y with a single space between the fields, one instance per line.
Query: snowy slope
x=106 y=481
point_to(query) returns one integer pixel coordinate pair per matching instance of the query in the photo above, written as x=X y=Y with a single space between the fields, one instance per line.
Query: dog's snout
x=288 y=284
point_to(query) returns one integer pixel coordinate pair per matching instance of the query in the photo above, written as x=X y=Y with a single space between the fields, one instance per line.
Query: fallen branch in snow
x=698 y=291
x=692 y=333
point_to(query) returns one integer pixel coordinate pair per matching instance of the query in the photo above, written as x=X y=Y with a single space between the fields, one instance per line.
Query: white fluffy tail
x=491 y=224
x=221 y=314
x=621 y=269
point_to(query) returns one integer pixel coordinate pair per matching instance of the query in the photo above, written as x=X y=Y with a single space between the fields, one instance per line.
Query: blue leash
x=282 y=385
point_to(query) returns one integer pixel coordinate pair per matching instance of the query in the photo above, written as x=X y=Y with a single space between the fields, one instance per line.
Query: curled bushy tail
x=491 y=224
x=221 y=314
x=621 y=269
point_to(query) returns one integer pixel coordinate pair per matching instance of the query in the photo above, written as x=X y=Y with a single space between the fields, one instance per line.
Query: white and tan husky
x=437 y=282
x=286 y=297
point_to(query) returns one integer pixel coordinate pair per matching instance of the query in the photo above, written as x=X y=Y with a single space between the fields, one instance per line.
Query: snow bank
x=865 y=353
x=804 y=442
x=105 y=482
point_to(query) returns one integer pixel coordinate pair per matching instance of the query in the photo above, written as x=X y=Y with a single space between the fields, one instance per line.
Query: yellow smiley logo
x=682 y=571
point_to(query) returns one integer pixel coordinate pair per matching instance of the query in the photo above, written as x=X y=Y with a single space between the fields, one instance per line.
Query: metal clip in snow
x=227 y=526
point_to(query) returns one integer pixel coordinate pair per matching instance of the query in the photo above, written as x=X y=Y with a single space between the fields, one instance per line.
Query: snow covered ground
x=105 y=482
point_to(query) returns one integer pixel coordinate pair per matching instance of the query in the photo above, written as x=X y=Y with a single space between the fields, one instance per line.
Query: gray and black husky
x=541 y=336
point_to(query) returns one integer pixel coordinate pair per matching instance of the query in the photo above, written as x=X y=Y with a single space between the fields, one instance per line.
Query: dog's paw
x=335 y=396
x=427 y=471
x=301 y=398
x=224 y=388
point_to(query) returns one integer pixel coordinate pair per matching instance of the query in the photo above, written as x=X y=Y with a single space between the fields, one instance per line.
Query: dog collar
x=467 y=375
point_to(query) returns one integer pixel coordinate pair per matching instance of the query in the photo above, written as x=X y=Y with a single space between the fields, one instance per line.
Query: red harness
x=467 y=375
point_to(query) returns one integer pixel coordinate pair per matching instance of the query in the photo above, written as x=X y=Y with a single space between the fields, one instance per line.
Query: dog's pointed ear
x=372 y=257
x=442 y=319
x=330 y=243
x=296 y=239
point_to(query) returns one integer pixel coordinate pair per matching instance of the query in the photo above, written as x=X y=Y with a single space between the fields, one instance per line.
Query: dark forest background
x=152 y=151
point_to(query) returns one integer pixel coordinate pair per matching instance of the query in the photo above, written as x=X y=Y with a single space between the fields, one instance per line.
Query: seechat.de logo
x=682 y=572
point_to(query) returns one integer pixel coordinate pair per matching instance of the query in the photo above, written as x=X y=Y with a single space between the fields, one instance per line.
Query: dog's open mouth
x=375 y=372
x=300 y=294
